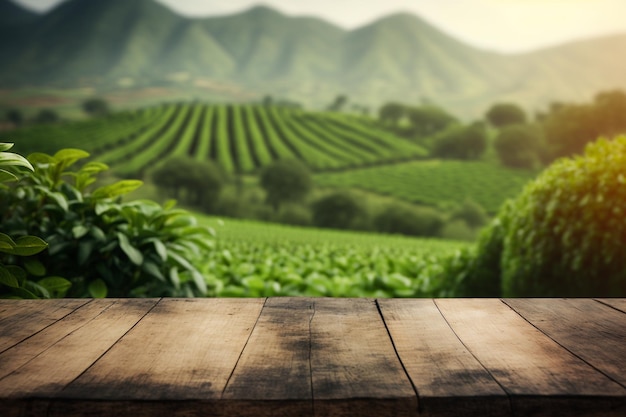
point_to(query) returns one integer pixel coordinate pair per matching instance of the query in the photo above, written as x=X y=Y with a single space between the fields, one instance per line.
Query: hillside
x=127 y=44
x=241 y=138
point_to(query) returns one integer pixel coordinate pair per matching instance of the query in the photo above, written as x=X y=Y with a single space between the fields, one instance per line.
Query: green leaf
x=199 y=280
x=69 y=156
x=160 y=248
x=5 y=146
x=29 y=245
x=34 y=267
x=7 y=278
x=13 y=159
x=39 y=158
x=56 y=286
x=98 y=289
x=117 y=189
x=93 y=167
x=174 y=277
x=79 y=231
x=18 y=273
x=6 y=176
x=59 y=199
x=152 y=269
x=133 y=253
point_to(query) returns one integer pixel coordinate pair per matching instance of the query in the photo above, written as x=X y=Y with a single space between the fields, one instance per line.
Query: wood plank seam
x=395 y=349
x=609 y=305
x=565 y=347
x=310 y=354
x=244 y=348
x=508 y=394
x=63 y=338
x=109 y=348
x=44 y=328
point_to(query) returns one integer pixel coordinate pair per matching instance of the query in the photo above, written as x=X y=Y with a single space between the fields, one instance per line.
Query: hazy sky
x=502 y=25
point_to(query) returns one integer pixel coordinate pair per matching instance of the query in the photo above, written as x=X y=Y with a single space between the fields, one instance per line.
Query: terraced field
x=241 y=138
x=435 y=182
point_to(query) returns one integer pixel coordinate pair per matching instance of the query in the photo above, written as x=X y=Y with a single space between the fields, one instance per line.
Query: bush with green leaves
x=104 y=246
x=16 y=281
x=286 y=181
x=461 y=142
x=406 y=220
x=192 y=182
x=564 y=235
x=339 y=210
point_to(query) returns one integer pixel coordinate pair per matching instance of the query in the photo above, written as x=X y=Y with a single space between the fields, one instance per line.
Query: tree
x=193 y=182
x=285 y=180
x=428 y=120
x=339 y=103
x=396 y=218
x=504 y=114
x=46 y=116
x=15 y=116
x=461 y=142
x=96 y=107
x=338 y=211
x=391 y=113
x=519 y=146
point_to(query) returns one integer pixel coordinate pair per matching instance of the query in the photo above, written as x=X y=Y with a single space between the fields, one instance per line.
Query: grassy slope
x=436 y=182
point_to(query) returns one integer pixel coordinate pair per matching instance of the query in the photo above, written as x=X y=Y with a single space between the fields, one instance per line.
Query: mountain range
x=126 y=44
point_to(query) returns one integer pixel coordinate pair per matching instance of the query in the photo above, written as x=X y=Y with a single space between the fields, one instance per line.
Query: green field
x=436 y=182
x=241 y=138
x=256 y=259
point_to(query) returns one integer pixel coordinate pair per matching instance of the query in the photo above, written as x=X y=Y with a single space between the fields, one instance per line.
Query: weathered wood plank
x=617 y=303
x=542 y=378
x=590 y=330
x=448 y=379
x=273 y=375
x=20 y=319
x=60 y=354
x=355 y=370
x=183 y=352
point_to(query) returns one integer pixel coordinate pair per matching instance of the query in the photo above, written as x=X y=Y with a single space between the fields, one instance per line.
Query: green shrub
x=285 y=181
x=519 y=146
x=472 y=213
x=339 y=210
x=16 y=281
x=295 y=214
x=457 y=230
x=103 y=246
x=565 y=234
x=396 y=218
x=192 y=182
x=461 y=142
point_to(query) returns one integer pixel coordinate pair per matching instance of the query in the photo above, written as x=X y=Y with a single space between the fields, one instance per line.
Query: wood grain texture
x=273 y=375
x=540 y=376
x=312 y=357
x=448 y=379
x=616 y=303
x=20 y=319
x=59 y=354
x=356 y=371
x=590 y=330
x=184 y=350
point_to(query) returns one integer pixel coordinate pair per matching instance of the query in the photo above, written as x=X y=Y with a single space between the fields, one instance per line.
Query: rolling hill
x=117 y=44
x=240 y=138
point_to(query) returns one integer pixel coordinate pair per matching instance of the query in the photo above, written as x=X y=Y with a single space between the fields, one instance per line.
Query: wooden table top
x=313 y=357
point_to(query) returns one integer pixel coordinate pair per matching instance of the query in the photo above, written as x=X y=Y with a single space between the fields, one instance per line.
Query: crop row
x=435 y=182
x=244 y=138
x=253 y=259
